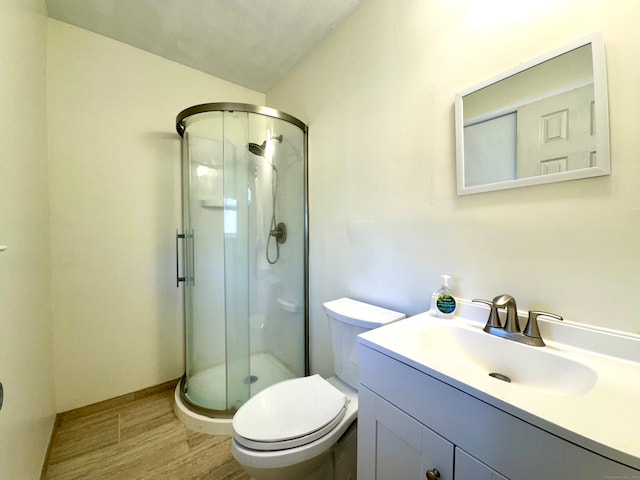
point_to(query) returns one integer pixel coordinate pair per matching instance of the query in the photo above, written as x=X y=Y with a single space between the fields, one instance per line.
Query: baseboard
x=101 y=407
x=116 y=401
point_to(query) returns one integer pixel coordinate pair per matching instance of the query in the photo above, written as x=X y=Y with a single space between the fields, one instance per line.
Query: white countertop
x=603 y=417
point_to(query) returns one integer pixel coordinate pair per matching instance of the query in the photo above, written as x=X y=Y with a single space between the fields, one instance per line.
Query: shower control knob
x=433 y=474
x=280 y=232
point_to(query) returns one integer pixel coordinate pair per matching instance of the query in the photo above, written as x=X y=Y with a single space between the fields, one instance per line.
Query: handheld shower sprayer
x=276 y=230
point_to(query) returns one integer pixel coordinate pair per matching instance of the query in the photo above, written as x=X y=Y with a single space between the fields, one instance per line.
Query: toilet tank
x=347 y=319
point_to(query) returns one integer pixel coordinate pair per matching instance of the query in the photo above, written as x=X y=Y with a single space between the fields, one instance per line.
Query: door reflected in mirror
x=544 y=121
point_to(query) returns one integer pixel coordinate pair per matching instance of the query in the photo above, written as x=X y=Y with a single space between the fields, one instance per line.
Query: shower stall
x=241 y=256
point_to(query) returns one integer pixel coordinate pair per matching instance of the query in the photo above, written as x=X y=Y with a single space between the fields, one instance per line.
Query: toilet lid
x=290 y=413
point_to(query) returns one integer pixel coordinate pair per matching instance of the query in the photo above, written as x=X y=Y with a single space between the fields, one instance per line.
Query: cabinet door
x=437 y=455
x=469 y=468
x=394 y=446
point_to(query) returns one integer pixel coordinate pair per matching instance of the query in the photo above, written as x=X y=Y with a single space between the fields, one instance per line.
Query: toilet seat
x=289 y=414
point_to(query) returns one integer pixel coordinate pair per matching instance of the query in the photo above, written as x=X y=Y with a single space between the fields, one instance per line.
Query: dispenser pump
x=444 y=305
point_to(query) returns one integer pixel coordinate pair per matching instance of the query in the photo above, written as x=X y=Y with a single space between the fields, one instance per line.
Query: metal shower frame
x=273 y=113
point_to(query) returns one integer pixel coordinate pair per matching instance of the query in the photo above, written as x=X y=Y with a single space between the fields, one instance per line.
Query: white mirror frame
x=603 y=165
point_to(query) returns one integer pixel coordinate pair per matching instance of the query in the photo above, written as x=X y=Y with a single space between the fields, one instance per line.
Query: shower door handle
x=178 y=277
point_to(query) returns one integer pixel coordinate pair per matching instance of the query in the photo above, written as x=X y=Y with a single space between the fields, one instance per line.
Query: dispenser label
x=446 y=304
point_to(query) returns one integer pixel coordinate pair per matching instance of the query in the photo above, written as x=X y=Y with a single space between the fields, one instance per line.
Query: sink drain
x=250 y=379
x=500 y=376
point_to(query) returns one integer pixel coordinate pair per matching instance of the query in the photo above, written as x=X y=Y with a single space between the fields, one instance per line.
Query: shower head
x=261 y=149
x=257 y=149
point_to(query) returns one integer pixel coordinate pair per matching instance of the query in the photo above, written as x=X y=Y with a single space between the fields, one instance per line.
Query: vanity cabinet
x=410 y=422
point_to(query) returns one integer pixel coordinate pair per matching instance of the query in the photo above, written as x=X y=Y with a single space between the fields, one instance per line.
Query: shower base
x=265 y=371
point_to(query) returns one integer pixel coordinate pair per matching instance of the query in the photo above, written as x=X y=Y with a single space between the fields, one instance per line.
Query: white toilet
x=304 y=428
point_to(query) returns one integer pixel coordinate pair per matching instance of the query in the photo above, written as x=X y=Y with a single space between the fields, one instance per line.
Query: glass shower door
x=237 y=231
x=205 y=292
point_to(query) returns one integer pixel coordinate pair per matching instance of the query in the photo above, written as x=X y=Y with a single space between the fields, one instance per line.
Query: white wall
x=26 y=354
x=385 y=220
x=115 y=204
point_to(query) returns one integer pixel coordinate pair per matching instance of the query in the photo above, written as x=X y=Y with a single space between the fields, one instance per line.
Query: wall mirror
x=546 y=120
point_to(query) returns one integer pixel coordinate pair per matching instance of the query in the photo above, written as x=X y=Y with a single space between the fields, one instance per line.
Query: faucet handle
x=493 y=321
x=531 y=329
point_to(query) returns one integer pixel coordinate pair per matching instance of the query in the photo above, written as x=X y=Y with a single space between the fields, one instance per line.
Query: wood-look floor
x=136 y=437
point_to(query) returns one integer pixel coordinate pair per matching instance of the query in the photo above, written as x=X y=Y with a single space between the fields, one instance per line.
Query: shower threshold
x=204 y=388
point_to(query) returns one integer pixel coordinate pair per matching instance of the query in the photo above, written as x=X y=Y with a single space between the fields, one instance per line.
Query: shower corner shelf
x=211 y=203
x=288 y=306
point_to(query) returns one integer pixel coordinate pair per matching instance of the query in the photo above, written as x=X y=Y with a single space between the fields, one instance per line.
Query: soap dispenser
x=443 y=304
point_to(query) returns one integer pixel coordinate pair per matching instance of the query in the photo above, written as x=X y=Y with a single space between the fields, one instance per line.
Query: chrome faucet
x=511 y=328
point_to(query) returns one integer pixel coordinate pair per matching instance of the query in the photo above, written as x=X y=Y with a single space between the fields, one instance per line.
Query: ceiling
x=252 y=43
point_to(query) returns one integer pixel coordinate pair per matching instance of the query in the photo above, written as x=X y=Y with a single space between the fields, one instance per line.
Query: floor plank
x=83 y=436
x=137 y=438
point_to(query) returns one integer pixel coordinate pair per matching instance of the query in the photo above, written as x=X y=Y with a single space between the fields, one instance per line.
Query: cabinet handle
x=433 y=474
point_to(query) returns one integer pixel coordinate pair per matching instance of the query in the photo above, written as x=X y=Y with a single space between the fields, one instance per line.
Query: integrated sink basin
x=537 y=368
x=583 y=386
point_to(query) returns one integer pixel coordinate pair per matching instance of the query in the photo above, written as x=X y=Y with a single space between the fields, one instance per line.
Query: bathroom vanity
x=429 y=409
